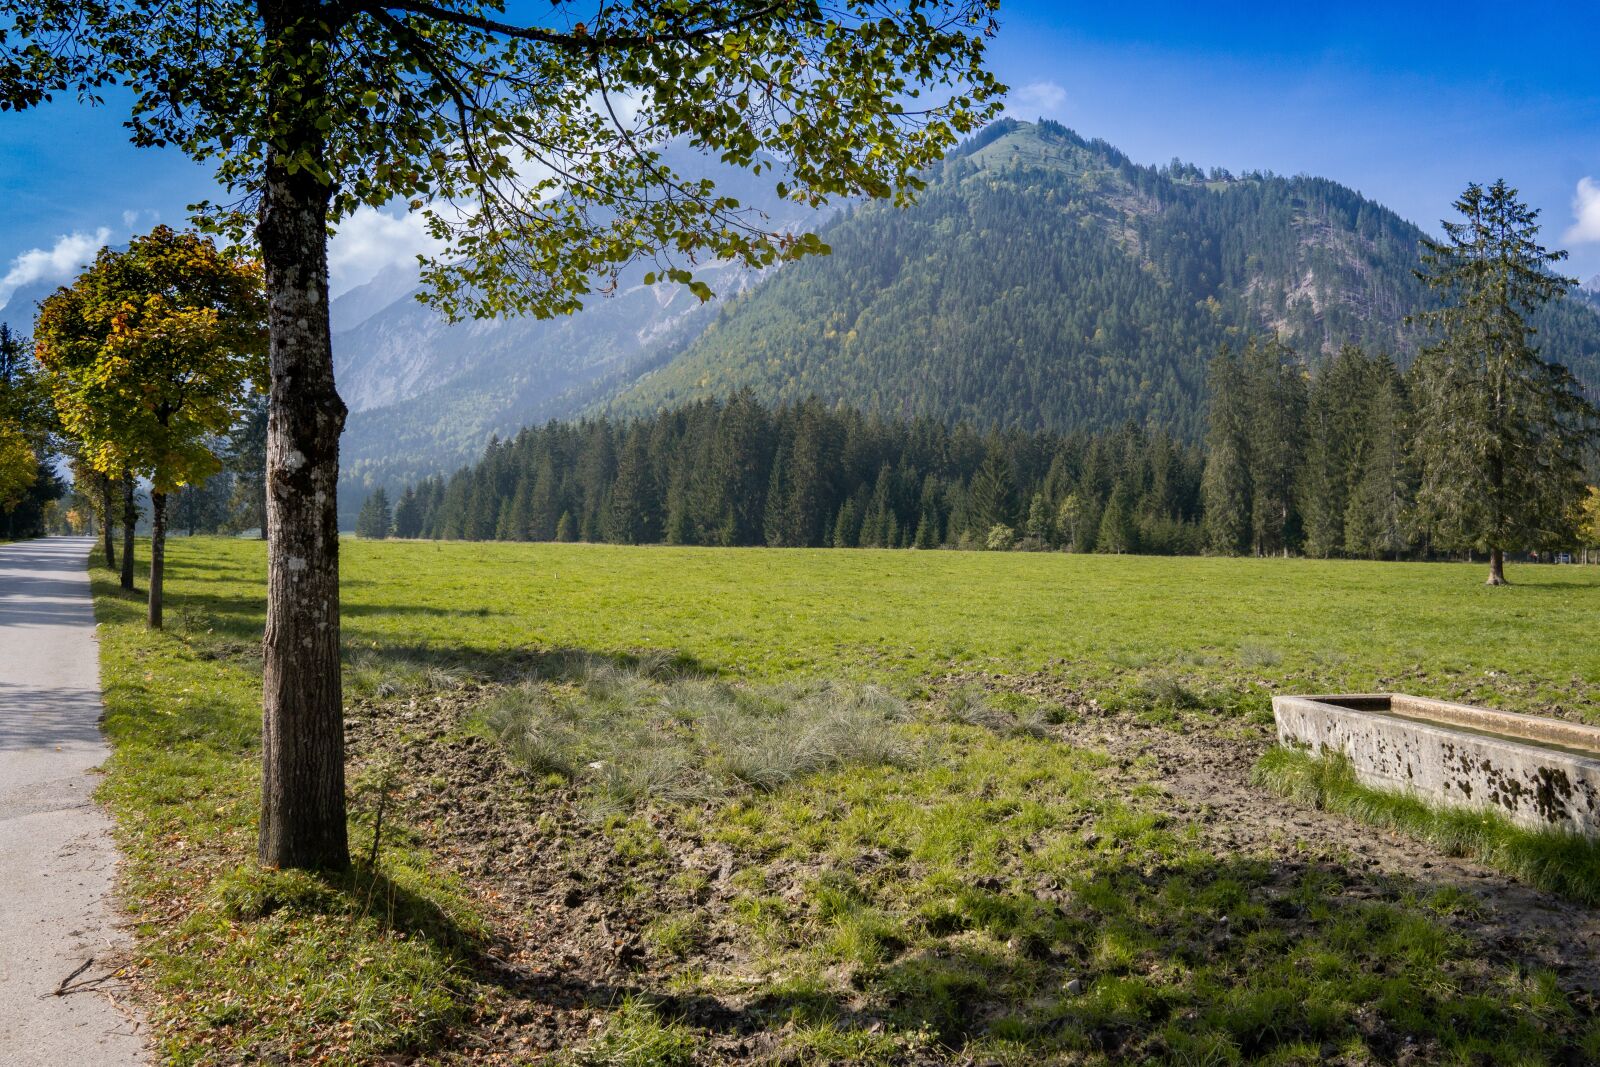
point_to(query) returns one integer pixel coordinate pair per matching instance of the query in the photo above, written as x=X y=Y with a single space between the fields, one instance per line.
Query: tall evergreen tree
x=245 y=458
x=544 y=502
x=408 y=514
x=375 y=520
x=1226 y=483
x=1275 y=391
x=993 y=495
x=1502 y=431
x=1334 y=428
x=633 y=507
x=1383 y=484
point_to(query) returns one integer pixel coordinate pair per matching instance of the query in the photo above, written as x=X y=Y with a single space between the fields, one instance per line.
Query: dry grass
x=635 y=734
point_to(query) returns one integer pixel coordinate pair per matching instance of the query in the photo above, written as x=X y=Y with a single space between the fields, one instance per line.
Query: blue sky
x=1406 y=103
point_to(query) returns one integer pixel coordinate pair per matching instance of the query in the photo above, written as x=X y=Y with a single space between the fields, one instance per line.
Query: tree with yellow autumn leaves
x=24 y=425
x=1588 y=524
x=149 y=355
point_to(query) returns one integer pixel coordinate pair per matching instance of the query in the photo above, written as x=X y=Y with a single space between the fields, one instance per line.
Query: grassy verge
x=760 y=842
x=1558 y=862
x=245 y=963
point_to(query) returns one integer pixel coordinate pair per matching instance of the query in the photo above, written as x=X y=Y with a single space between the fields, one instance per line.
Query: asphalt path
x=57 y=859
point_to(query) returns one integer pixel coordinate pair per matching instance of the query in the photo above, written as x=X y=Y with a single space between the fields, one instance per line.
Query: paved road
x=56 y=856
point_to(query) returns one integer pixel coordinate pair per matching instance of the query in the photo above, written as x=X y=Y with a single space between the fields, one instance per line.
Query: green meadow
x=901 y=617
x=985 y=851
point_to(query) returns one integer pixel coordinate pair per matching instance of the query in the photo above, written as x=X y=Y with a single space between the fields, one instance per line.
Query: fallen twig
x=61 y=990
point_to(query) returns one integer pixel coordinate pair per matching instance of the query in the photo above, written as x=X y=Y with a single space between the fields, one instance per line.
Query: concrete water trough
x=1540 y=773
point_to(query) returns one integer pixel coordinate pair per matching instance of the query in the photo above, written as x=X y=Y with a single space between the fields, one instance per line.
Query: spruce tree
x=772 y=522
x=544 y=503
x=246 y=460
x=1382 y=486
x=1038 y=526
x=1501 y=430
x=632 y=507
x=1116 y=533
x=1275 y=391
x=408 y=515
x=374 y=521
x=930 y=533
x=1335 y=413
x=992 y=500
x=1226 y=482
x=521 y=522
x=813 y=460
x=847 y=526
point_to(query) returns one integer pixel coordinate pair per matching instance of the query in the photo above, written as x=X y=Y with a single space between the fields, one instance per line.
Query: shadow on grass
x=404 y=662
x=1230 y=960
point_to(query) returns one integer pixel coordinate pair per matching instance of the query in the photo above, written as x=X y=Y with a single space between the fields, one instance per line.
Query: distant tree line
x=1319 y=465
x=1331 y=463
x=737 y=472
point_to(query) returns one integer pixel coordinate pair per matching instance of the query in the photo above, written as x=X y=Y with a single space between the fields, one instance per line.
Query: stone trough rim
x=1540 y=772
x=1333 y=700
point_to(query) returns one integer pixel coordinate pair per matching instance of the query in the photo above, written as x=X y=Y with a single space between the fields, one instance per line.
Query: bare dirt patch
x=570 y=893
x=1204 y=768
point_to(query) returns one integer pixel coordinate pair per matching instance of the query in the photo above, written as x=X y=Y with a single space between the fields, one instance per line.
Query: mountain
x=426 y=395
x=23 y=306
x=1045 y=281
x=391 y=284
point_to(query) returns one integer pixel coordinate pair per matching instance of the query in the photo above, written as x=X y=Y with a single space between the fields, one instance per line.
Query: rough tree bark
x=158 y=555
x=1497 y=568
x=302 y=783
x=130 y=519
x=106 y=524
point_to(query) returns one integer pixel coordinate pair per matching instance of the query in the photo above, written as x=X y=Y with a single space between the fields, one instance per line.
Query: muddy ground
x=568 y=902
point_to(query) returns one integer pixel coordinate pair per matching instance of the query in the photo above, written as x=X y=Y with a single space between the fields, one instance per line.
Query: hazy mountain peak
x=355 y=306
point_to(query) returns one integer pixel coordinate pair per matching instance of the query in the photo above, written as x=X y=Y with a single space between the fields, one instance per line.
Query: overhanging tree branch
x=581 y=43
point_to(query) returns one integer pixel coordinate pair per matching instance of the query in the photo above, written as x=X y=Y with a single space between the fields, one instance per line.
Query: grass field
x=902 y=617
x=1037 y=843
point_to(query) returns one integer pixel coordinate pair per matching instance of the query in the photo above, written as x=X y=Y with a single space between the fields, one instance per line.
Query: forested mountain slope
x=1045 y=281
x=426 y=395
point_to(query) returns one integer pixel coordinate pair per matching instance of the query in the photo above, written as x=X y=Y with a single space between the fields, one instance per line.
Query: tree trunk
x=302 y=722
x=1497 y=568
x=158 y=554
x=130 y=519
x=107 y=530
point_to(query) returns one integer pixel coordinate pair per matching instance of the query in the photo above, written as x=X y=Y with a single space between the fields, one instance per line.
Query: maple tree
x=148 y=356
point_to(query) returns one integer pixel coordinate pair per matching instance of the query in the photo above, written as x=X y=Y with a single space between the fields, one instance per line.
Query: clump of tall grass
x=634 y=733
x=1557 y=861
x=1006 y=713
x=372 y=675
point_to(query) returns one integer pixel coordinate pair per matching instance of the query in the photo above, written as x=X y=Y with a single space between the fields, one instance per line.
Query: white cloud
x=1037 y=100
x=1585 y=213
x=371 y=240
x=58 y=263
